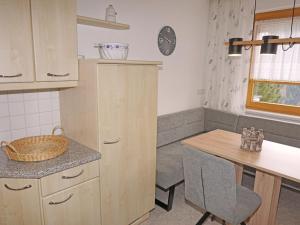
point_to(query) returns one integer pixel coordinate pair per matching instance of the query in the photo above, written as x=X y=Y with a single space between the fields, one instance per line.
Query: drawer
x=68 y=178
x=75 y=206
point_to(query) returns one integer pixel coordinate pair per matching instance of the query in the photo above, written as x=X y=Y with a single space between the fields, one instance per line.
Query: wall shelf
x=101 y=23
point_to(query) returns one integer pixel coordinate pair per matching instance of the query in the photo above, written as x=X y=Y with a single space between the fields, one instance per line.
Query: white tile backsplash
x=31 y=107
x=4 y=109
x=31 y=96
x=18 y=97
x=4 y=124
x=17 y=122
x=33 y=131
x=46 y=118
x=28 y=114
x=16 y=134
x=3 y=98
x=32 y=120
x=16 y=108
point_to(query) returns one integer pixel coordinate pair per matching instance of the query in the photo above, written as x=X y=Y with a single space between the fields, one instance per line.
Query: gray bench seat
x=169 y=170
x=172 y=128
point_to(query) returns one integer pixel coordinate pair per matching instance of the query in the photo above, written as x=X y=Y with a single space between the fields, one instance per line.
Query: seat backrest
x=193 y=160
x=219 y=186
x=277 y=131
x=217 y=119
x=176 y=126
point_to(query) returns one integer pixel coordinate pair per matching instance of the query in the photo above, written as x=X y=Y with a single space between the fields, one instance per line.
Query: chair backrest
x=192 y=163
x=219 y=186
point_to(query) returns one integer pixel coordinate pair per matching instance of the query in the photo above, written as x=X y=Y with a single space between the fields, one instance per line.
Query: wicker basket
x=37 y=148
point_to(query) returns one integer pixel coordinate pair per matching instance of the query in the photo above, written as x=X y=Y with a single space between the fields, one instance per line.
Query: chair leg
x=168 y=206
x=203 y=218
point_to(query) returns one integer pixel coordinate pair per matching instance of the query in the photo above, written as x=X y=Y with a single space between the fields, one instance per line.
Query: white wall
x=180 y=81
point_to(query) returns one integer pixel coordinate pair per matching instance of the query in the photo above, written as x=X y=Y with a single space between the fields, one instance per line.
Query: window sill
x=273 y=116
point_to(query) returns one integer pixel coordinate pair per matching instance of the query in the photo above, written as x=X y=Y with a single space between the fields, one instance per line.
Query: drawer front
x=20 y=202
x=68 y=178
x=75 y=206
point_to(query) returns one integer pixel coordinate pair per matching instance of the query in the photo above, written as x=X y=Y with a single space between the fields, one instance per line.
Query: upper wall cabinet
x=16 y=47
x=38 y=44
x=55 y=39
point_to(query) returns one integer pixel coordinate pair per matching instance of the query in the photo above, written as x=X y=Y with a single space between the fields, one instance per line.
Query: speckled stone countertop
x=76 y=155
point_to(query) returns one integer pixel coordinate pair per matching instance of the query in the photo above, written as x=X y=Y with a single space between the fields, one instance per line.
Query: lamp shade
x=268 y=48
x=235 y=50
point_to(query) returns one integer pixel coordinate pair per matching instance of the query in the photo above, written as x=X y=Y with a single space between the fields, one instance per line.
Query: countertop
x=76 y=155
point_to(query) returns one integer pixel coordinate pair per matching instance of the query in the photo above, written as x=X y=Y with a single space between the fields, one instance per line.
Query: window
x=274 y=83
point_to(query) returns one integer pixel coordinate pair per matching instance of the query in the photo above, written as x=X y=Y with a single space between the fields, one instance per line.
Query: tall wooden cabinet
x=38 y=44
x=114 y=110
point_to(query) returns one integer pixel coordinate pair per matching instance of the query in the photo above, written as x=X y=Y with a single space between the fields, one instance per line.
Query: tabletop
x=276 y=159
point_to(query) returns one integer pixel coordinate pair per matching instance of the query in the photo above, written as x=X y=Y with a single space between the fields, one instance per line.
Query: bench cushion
x=216 y=119
x=169 y=169
x=176 y=126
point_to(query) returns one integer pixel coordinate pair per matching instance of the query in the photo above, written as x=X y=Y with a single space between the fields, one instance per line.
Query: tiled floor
x=183 y=214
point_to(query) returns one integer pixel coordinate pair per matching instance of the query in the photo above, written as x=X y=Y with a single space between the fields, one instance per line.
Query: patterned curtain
x=226 y=78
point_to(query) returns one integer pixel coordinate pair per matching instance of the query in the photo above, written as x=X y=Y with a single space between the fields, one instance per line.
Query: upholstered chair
x=210 y=183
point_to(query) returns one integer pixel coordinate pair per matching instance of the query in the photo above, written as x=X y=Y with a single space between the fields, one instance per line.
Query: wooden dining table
x=274 y=162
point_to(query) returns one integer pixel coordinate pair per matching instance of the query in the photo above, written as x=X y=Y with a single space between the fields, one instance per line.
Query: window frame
x=264 y=106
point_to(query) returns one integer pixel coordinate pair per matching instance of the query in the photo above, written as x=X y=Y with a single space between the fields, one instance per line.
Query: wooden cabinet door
x=16 y=47
x=128 y=107
x=20 y=202
x=55 y=39
x=74 y=206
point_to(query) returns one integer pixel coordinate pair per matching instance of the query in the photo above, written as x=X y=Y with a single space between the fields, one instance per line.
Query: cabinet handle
x=11 y=76
x=17 y=189
x=57 y=203
x=71 y=177
x=112 y=142
x=58 y=75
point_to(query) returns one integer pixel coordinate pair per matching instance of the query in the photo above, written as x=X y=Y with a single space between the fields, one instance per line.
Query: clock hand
x=168 y=40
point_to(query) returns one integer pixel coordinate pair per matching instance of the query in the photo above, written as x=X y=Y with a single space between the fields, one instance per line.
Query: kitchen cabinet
x=16 y=46
x=20 y=202
x=38 y=45
x=31 y=202
x=118 y=117
x=74 y=206
x=55 y=39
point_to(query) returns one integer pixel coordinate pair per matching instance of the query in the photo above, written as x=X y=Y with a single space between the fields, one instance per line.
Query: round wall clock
x=166 y=40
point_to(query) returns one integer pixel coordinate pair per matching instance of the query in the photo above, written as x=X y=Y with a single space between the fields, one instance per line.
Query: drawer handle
x=58 y=75
x=111 y=142
x=71 y=177
x=17 y=189
x=57 y=203
x=11 y=76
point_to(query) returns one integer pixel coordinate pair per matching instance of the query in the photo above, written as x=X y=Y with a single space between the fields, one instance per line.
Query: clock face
x=166 y=40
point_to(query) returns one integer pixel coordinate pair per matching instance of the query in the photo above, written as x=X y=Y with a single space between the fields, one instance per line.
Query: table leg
x=239 y=169
x=268 y=188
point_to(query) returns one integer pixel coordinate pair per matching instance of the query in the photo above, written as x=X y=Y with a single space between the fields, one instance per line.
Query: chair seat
x=247 y=202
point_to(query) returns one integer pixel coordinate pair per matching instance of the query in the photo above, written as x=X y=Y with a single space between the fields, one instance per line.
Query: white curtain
x=285 y=65
x=227 y=77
